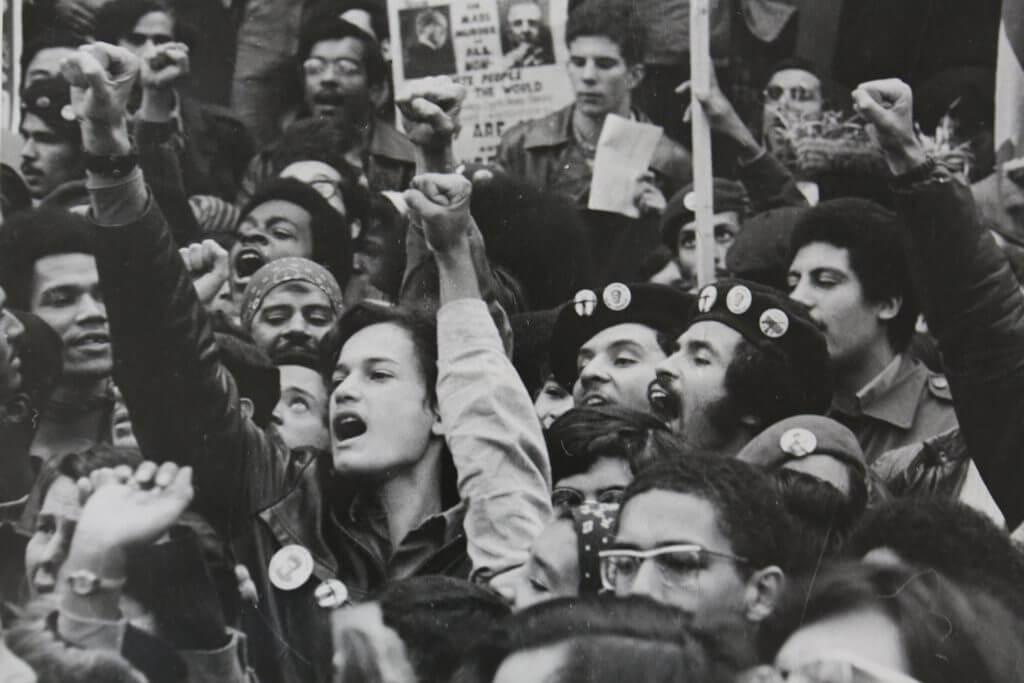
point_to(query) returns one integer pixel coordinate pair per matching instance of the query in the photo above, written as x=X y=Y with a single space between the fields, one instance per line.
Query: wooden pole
x=700 y=84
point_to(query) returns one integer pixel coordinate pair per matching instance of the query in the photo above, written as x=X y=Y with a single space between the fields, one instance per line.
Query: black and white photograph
x=427 y=48
x=564 y=357
x=526 y=33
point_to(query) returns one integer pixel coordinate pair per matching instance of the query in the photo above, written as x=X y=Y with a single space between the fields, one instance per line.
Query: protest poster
x=509 y=54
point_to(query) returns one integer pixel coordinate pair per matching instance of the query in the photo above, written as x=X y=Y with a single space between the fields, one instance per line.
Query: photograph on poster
x=526 y=33
x=427 y=42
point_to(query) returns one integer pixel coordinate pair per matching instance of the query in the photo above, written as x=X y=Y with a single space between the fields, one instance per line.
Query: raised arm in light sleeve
x=495 y=439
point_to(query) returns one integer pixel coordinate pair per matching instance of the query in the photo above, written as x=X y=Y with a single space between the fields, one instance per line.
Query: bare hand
x=165 y=65
x=101 y=77
x=430 y=110
x=722 y=116
x=124 y=511
x=440 y=204
x=648 y=198
x=888 y=106
x=208 y=264
x=78 y=15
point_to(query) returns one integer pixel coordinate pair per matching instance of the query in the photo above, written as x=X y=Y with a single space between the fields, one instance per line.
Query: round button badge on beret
x=798 y=442
x=738 y=300
x=774 y=323
x=290 y=567
x=617 y=296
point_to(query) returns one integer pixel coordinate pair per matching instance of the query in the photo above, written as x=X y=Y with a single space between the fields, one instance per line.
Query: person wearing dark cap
x=605 y=345
x=287 y=217
x=760 y=251
x=748 y=358
x=820 y=471
x=849 y=267
x=51 y=155
x=679 y=228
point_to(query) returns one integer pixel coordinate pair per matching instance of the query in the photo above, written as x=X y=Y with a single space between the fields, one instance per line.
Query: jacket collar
x=556 y=128
x=893 y=399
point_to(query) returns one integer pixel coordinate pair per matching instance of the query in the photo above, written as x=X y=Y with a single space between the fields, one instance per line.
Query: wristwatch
x=116 y=165
x=84 y=582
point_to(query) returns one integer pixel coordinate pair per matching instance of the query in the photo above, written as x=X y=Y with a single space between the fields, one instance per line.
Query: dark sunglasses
x=774 y=93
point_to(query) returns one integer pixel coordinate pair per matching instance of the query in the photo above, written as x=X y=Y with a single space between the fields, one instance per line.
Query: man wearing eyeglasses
x=793 y=93
x=213 y=144
x=343 y=74
x=705 y=534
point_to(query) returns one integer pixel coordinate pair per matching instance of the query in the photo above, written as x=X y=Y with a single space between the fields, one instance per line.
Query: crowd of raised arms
x=291 y=393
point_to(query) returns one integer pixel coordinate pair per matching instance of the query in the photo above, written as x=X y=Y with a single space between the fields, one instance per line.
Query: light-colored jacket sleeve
x=495 y=439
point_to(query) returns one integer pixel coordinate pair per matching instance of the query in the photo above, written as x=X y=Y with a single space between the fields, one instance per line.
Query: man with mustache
x=748 y=358
x=51 y=156
x=605 y=345
x=849 y=267
x=288 y=307
x=344 y=76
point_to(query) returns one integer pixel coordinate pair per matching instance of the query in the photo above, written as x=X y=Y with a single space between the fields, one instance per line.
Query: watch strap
x=116 y=165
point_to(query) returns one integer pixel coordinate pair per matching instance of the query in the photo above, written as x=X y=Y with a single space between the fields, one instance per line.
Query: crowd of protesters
x=290 y=393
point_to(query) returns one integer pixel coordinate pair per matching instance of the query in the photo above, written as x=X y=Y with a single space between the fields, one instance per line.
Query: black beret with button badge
x=50 y=100
x=665 y=309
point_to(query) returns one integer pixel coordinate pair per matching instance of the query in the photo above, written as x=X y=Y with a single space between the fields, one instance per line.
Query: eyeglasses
x=797 y=93
x=139 y=39
x=564 y=498
x=677 y=565
x=345 y=68
x=834 y=667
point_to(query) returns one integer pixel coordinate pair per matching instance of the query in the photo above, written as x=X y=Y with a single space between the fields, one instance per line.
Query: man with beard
x=749 y=358
x=47 y=268
x=345 y=76
x=289 y=305
x=606 y=345
x=410 y=402
x=528 y=39
x=51 y=156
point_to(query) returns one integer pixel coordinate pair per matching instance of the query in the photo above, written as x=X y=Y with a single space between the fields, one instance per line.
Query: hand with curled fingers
x=164 y=66
x=888 y=106
x=721 y=114
x=430 y=110
x=123 y=508
x=208 y=264
x=439 y=202
x=649 y=199
x=101 y=77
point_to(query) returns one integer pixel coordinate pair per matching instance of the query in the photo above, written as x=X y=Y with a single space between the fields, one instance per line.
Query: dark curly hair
x=612 y=19
x=876 y=241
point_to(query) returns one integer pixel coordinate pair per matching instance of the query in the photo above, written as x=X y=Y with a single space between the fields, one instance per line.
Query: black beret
x=50 y=100
x=768 y=319
x=729 y=195
x=665 y=309
x=761 y=249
